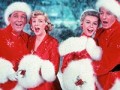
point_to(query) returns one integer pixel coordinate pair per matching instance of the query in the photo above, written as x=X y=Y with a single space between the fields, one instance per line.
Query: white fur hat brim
x=17 y=6
x=111 y=5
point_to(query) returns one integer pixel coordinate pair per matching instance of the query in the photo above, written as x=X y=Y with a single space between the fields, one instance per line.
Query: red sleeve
x=54 y=55
x=66 y=59
x=74 y=56
x=110 y=57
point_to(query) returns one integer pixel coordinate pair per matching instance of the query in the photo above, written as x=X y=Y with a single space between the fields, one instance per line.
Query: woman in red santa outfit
x=13 y=43
x=39 y=70
x=108 y=37
x=78 y=52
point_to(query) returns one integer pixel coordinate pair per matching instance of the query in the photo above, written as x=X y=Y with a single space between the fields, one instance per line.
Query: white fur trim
x=116 y=85
x=111 y=5
x=83 y=69
x=6 y=69
x=32 y=65
x=99 y=87
x=18 y=87
x=94 y=51
x=72 y=44
x=17 y=6
x=48 y=71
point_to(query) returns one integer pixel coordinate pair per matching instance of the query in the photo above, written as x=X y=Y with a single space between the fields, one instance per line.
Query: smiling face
x=18 y=19
x=89 y=25
x=107 y=18
x=38 y=24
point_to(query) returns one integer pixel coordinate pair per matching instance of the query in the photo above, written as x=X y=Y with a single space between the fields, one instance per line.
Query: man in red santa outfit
x=108 y=37
x=13 y=43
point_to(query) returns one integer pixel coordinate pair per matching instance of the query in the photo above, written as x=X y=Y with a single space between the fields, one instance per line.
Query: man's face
x=107 y=18
x=18 y=19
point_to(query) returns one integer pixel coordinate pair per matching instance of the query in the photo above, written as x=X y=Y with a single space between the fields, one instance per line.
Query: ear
x=9 y=19
x=31 y=28
x=81 y=25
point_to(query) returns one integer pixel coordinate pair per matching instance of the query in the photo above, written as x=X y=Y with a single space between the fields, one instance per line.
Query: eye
x=15 y=15
x=40 y=20
x=95 y=23
x=33 y=21
x=87 y=22
x=23 y=16
x=101 y=13
x=109 y=13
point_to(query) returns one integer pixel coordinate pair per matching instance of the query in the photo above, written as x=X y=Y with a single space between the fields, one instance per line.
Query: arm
x=54 y=55
x=110 y=57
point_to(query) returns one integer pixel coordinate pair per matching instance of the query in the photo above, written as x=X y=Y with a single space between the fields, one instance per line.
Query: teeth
x=90 y=30
x=37 y=28
x=104 y=22
x=19 y=24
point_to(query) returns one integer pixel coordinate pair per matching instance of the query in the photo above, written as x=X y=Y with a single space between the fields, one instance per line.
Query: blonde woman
x=41 y=73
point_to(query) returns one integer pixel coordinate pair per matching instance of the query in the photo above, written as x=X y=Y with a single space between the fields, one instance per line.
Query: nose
x=91 y=25
x=36 y=23
x=104 y=16
x=19 y=18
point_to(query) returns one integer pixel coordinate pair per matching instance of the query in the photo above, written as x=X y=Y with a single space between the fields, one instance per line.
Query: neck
x=15 y=33
x=40 y=37
x=83 y=34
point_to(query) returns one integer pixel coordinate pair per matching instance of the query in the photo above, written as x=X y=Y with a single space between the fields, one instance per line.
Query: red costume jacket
x=77 y=68
x=109 y=40
x=12 y=48
x=48 y=50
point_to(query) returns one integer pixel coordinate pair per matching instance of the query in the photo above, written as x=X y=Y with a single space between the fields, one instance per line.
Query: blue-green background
x=64 y=14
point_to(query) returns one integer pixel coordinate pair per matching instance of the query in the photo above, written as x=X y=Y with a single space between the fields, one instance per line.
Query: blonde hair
x=36 y=13
x=89 y=12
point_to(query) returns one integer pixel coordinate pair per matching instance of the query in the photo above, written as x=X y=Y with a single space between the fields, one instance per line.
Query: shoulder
x=52 y=40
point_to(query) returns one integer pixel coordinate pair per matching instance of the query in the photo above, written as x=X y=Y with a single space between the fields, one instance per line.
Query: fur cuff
x=72 y=44
x=18 y=87
x=80 y=68
x=48 y=71
x=116 y=85
x=31 y=65
x=6 y=69
x=94 y=51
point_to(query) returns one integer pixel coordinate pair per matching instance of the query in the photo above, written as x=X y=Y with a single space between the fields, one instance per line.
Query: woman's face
x=38 y=25
x=89 y=25
x=107 y=18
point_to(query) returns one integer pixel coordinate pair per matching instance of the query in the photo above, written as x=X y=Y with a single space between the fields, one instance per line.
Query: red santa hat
x=111 y=5
x=17 y=6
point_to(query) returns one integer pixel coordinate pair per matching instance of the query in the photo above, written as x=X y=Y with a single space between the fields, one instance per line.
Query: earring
x=46 y=28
